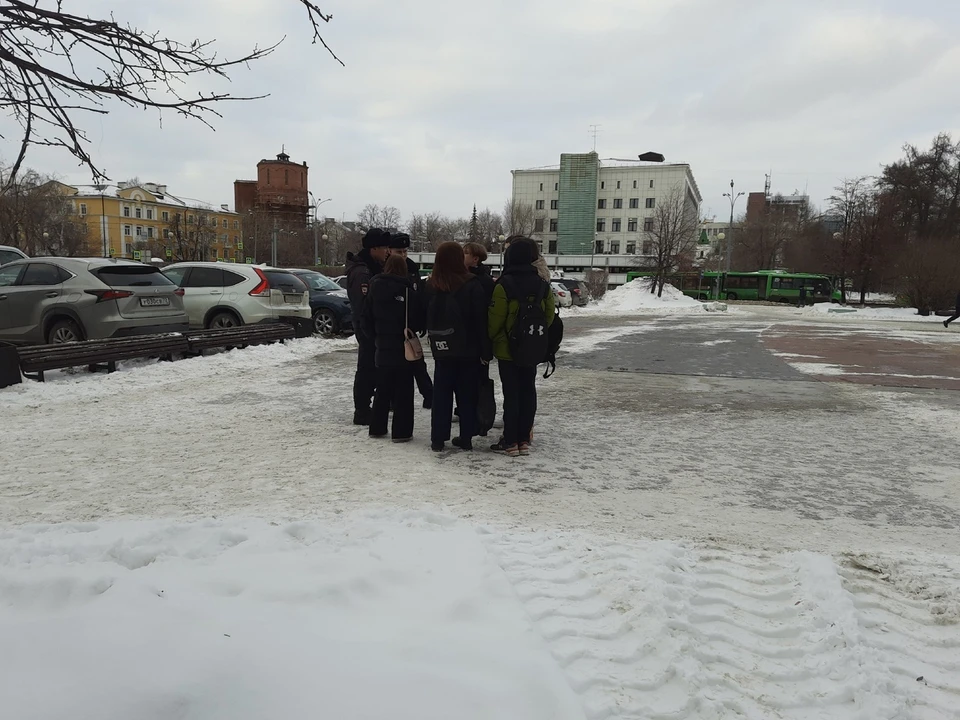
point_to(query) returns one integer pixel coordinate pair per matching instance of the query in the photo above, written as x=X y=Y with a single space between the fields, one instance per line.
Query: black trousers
x=424 y=384
x=956 y=312
x=519 y=401
x=365 y=381
x=394 y=389
x=460 y=378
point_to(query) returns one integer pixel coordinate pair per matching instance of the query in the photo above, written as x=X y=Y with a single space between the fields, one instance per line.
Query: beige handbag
x=412 y=349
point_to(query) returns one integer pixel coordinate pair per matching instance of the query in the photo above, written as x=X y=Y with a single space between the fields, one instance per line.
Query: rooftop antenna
x=766 y=186
x=595 y=131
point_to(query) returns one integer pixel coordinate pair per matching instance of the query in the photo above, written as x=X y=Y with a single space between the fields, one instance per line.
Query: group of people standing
x=468 y=318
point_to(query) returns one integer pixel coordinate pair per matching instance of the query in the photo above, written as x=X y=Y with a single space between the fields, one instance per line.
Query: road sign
x=249 y=261
x=319 y=262
x=137 y=254
x=112 y=252
x=169 y=253
x=240 y=245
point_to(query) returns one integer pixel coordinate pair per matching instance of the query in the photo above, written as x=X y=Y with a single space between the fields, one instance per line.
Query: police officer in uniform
x=361 y=269
x=399 y=244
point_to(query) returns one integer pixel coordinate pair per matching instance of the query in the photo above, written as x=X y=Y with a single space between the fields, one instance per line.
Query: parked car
x=328 y=303
x=562 y=296
x=55 y=300
x=578 y=290
x=220 y=295
x=9 y=254
x=341 y=280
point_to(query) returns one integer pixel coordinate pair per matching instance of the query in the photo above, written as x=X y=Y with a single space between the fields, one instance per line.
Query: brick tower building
x=279 y=193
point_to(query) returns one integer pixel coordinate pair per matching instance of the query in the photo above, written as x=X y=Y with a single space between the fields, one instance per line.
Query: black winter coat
x=384 y=317
x=361 y=269
x=482 y=273
x=474 y=303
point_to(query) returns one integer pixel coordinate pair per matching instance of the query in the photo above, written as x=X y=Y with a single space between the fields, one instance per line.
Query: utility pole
x=733 y=197
x=273 y=244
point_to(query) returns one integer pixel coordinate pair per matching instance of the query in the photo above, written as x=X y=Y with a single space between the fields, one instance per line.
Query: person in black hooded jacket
x=474 y=255
x=399 y=244
x=361 y=269
x=392 y=306
x=457 y=324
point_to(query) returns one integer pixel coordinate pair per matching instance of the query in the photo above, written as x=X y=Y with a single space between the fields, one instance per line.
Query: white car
x=9 y=254
x=561 y=296
x=220 y=295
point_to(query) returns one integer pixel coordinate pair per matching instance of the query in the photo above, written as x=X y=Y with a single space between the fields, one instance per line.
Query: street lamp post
x=324 y=237
x=720 y=238
x=316 y=207
x=103 y=218
x=500 y=239
x=733 y=197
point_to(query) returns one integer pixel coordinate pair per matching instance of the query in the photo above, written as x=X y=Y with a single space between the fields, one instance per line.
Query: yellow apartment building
x=142 y=221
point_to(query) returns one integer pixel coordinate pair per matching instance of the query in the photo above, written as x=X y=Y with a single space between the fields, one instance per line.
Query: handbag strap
x=406 y=309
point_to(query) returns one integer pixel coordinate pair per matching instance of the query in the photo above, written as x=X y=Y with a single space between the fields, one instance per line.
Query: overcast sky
x=440 y=99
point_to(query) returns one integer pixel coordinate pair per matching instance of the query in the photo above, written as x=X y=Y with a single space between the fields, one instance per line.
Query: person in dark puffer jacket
x=392 y=306
x=399 y=245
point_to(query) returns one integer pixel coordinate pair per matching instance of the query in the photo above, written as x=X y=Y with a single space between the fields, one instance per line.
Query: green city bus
x=762 y=285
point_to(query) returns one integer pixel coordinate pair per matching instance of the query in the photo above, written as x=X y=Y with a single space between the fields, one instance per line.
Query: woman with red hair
x=457 y=326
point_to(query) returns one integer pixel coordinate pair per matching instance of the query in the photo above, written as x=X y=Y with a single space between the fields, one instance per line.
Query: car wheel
x=731 y=296
x=325 y=322
x=223 y=320
x=64 y=331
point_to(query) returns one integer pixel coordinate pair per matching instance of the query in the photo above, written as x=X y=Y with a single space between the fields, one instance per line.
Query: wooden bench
x=95 y=354
x=240 y=336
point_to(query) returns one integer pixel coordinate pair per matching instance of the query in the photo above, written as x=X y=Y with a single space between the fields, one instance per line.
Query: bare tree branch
x=54 y=64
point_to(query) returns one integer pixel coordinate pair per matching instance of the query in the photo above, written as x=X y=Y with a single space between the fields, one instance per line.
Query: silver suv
x=218 y=295
x=56 y=300
x=9 y=254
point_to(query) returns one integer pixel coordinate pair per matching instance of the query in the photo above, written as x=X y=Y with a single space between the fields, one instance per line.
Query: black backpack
x=446 y=328
x=554 y=338
x=528 y=338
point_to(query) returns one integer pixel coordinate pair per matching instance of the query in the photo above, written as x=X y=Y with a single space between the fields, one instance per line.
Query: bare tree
x=491 y=227
x=375 y=216
x=189 y=234
x=597 y=280
x=55 y=65
x=38 y=218
x=518 y=218
x=674 y=235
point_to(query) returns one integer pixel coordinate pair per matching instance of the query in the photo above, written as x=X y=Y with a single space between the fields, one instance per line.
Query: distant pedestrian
x=956 y=313
x=399 y=245
x=392 y=306
x=457 y=327
x=361 y=269
x=519 y=318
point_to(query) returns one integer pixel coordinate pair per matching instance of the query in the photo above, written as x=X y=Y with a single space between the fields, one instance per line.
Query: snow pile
x=857 y=313
x=405 y=617
x=635 y=298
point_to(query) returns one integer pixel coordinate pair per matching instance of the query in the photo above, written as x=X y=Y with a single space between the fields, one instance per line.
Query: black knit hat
x=520 y=252
x=375 y=238
x=399 y=241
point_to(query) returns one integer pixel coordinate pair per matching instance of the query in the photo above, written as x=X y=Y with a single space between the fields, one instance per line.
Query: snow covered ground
x=635 y=298
x=858 y=314
x=212 y=539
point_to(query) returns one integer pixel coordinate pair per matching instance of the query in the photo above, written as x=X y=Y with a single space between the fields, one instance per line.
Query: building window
x=648 y=247
x=83 y=208
x=601 y=225
x=634 y=203
x=138 y=212
x=602 y=185
x=615 y=225
x=618 y=184
x=541 y=187
x=648 y=224
x=139 y=230
x=651 y=184
x=634 y=184
x=226 y=224
x=127 y=230
x=618 y=203
x=178 y=217
x=601 y=204
x=632 y=225
x=190 y=236
x=552 y=247
x=149 y=232
x=553 y=204
x=539 y=204
x=149 y=213
x=631 y=248
x=128 y=249
x=651 y=202
x=223 y=238
x=236 y=239
x=553 y=225
x=286 y=177
x=615 y=247
x=166 y=234
x=236 y=224
x=126 y=211
x=190 y=219
x=538 y=225
x=556 y=186
x=165 y=216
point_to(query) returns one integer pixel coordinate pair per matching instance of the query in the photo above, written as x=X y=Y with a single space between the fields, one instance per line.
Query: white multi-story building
x=588 y=206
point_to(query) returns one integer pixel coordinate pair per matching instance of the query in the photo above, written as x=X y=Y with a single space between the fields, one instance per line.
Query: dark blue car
x=328 y=303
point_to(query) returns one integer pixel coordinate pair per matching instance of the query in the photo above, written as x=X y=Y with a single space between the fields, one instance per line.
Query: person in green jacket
x=519 y=383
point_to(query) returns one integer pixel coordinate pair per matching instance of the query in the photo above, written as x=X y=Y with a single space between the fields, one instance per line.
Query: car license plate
x=293 y=299
x=154 y=301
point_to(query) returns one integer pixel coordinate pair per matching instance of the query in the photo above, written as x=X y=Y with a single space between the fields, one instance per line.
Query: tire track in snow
x=666 y=630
